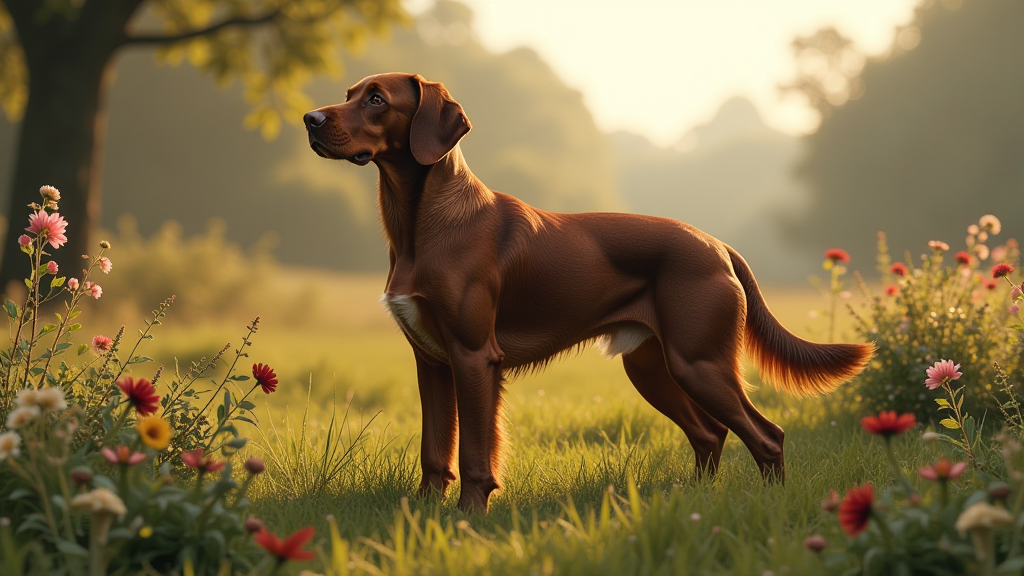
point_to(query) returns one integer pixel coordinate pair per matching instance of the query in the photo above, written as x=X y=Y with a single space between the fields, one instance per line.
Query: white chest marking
x=406 y=314
x=623 y=340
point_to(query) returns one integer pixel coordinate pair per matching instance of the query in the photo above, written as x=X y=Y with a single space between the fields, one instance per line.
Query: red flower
x=288 y=549
x=837 y=255
x=942 y=470
x=891 y=290
x=899 y=269
x=200 y=461
x=1000 y=270
x=140 y=394
x=855 y=509
x=990 y=284
x=963 y=257
x=831 y=504
x=887 y=423
x=265 y=377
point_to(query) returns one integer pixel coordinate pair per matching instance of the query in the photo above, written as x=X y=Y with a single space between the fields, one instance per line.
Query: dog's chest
x=406 y=313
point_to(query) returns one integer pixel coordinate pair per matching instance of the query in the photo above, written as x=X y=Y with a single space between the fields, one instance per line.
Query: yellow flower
x=154 y=431
x=145 y=532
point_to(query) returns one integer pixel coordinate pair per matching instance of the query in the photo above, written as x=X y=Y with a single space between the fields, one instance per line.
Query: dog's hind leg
x=440 y=425
x=648 y=372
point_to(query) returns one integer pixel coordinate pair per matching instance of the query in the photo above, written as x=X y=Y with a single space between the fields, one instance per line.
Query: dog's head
x=388 y=115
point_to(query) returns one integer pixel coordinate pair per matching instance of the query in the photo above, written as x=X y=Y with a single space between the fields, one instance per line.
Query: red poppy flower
x=1000 y=270
x=289 y=548
x=899 y=269
x=837 y=255
x=265 y=377
x=887 y=423
x=891 y=290
x=855 y=509
x=140 y=394
x=200 y=461
x=963 y=258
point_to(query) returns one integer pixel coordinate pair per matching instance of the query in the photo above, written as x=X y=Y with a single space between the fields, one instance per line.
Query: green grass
x=580 y=440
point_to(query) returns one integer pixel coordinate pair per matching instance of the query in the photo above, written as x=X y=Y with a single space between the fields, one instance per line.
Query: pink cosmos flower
x=102 y=343
x=123 y=456
x=938 y=245
x=51 y=267
x=53 y=225
x=24 y=240
x=73 y=284
x=94 y=289
x=943 y=371
x=942 y=470
x=105 y=265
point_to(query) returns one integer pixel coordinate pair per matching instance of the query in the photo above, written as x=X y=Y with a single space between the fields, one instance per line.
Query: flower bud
x=81 y=475
x=815 y=543
x=999 y=490
x=254 y=465
x=253 y=524
x=104 y=244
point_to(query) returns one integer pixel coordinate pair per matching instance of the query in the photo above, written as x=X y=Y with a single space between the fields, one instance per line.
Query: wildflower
x=887 y=423
x=938 y=246
x=855 y=509
x=123 y=456
x=104 y=244
x=899 y=269
x=815 y=543
x=140 y=394
x=837 y=255
x=983 y=515
x=145 y=532
x=288 y=549
x=982 y=251
x=999 y=253
x=990 y=284
x=51 y=267
x=22 y=416
x=891 y=290
x=1001 y=270
x=943 y=372
x=973 y=229
x=695 y=516
x=831 y=503
x=254 y=525
x=265 y=377
x=990 y=223
x=81 y=475
x=254 y=465
x=103 y=505
x=930 y=437
x=1014 y=309
x=94 y=289
x=73 y=284
x=942 y=470
x=50 y=226
x=105 y=265
x=51 y=399
x=963 y=258
x=50 y=193
x=200 y=461
x=999 y=491
x=27 y=397
x=1016 y=292
x=154 y=431
x=24 y=240
x=102 y=343
x=9 y=445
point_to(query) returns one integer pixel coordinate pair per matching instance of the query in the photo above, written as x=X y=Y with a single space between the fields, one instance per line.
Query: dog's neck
x=413 y=196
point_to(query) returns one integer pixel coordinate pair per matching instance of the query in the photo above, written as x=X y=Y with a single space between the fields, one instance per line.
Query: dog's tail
x=793 y=364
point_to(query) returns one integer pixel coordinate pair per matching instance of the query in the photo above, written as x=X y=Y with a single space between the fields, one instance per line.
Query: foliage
x=937 y=311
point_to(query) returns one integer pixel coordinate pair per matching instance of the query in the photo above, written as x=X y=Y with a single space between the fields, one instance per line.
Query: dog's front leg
x=440 y=425
x=478 y=389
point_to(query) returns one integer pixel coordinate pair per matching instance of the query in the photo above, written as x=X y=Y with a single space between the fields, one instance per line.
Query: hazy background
x=668 y=108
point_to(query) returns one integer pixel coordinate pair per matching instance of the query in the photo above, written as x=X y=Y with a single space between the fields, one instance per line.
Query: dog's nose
x=314 y=119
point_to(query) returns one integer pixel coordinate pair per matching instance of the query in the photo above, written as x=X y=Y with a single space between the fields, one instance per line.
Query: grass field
x=596 y=481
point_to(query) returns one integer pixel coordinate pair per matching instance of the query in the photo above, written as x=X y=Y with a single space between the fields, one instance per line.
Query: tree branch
x=172 y=38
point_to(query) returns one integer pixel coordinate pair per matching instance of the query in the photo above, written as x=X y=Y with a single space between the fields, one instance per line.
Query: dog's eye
x=375 y=100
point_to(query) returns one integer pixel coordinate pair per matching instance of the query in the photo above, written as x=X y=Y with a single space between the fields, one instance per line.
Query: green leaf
x=12 y=310
x=969 y=430
x=74 y=314
x=72 y=548
x=237 y=443
x=942 y=402
x=47 y=328
x=28 y=283
x=239 y=378
x=1018 y=328
x=140 y=360
x=82 y=348
x=56 y=282
x=74 y=327
x=1011 y=566
x=246 y=405
x=949 y=423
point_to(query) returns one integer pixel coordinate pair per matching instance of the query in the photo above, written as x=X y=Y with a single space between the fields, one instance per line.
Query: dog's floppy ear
x=438 y=125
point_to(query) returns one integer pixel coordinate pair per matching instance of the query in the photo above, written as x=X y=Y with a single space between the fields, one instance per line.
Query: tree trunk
x=60 y=145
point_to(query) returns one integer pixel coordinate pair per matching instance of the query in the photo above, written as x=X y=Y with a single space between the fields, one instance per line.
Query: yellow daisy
x=154 y=431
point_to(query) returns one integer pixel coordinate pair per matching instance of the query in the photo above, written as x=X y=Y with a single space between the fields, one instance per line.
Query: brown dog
x=484 y=285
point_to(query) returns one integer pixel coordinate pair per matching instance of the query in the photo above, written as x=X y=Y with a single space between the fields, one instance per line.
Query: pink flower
x=944 y=371
x=94 y=289
x=899 y=269
x=891 y=290
x=1014 y=309
x=990 y=284
x=837 y=255
x=123 y=456
x=105 y=265
x=938 y=246
x=52 y=226
x=1016 y=292
x=963 y=258
x=51 y=267
x=102 y=343
x=942 y=470
x=24 y=240
x=73 y=284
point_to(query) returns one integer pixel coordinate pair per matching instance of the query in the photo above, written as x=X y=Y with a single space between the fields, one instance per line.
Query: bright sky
x=660 y=67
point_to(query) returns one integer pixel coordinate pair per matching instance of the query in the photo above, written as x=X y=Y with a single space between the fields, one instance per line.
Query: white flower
x=21 y=416
x=27 y=397
x=51 y=399
x=100 y=500
x=990 y=223
x=50 y=193
x=983 y=516
x=9 y=443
